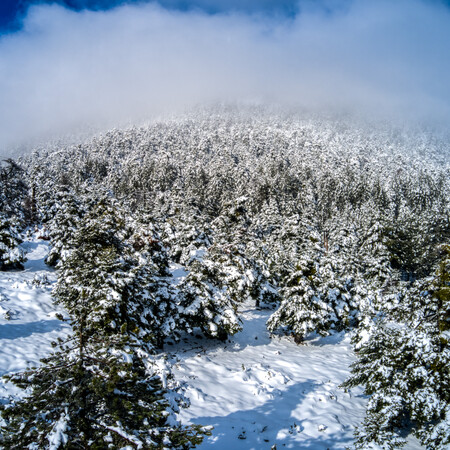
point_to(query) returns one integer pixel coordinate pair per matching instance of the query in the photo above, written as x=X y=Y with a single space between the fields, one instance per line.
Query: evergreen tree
x=93 y=394
x=61 y=215
x=404 y=367
x=116 y=272
x=11 y=256
x=154 y=277
x=322 y=289
x=203 y=300
x=13 y=191
x=302 y=309
x=321 y=215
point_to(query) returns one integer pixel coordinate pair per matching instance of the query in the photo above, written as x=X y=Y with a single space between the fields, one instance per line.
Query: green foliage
x=404 y=367
x=204 y=301
x=92 y=396
x=62 y=218
x=11 y=256
x=13 y=214
x=13 y=192
x=98 y=278
x=321 y=289
x=332 y=220
x=315 y=299
x=441 y=289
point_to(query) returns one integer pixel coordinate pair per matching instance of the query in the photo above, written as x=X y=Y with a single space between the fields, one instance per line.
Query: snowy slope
x=254 y=390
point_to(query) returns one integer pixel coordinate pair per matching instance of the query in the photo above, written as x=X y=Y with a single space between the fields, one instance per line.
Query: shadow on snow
x=260 y=428
x=254 y=333
x=21 y=330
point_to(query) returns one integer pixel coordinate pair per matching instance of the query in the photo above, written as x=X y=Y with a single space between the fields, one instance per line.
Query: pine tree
x=96 y=278
x=302 y=309
x=323 y=288
x=297 y=260
x=93 y=394
x=404 y=367
x=153 y=274
x=11 y=256
x=13 y=191
x=203 y=300
x=61 y=215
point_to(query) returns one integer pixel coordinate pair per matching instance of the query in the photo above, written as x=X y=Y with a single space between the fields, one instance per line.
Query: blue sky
x=12 y=11
x=72 y=64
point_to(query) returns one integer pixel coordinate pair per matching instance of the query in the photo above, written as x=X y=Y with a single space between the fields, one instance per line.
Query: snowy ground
x=254 y=390
x=258 y=391
x=27 y=314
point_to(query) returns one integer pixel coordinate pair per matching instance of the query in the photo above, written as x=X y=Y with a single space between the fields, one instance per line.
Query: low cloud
x=67 y=70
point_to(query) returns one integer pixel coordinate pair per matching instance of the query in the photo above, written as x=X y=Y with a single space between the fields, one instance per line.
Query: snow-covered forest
x=325 y=241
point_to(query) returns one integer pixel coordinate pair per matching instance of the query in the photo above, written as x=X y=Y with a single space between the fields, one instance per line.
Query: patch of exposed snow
x=257 y=391
x=26 y=336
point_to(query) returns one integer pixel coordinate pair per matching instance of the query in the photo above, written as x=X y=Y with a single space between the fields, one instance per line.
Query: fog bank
x=65 y=70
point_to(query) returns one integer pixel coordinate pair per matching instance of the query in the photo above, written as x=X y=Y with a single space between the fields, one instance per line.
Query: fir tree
x=302 y=309
x=11 y=256
x=61 y=215
x=13 y=191
x=201 y=300
x=204 y=301
x=117 y=273
x=404 y=367
x=93 y=394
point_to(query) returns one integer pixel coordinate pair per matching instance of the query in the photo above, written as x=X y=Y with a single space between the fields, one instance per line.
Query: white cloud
x=65 y=69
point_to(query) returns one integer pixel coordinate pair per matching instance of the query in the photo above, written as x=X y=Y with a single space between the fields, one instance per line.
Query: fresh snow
x=258 y=392
x=28 y=323
x=255 y=391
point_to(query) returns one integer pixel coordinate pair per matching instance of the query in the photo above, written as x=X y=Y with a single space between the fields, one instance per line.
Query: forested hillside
x=335 y=224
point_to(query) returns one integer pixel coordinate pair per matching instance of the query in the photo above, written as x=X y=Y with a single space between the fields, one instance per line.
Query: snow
x=57 y=436
x=256 y=391
x=26 y=337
